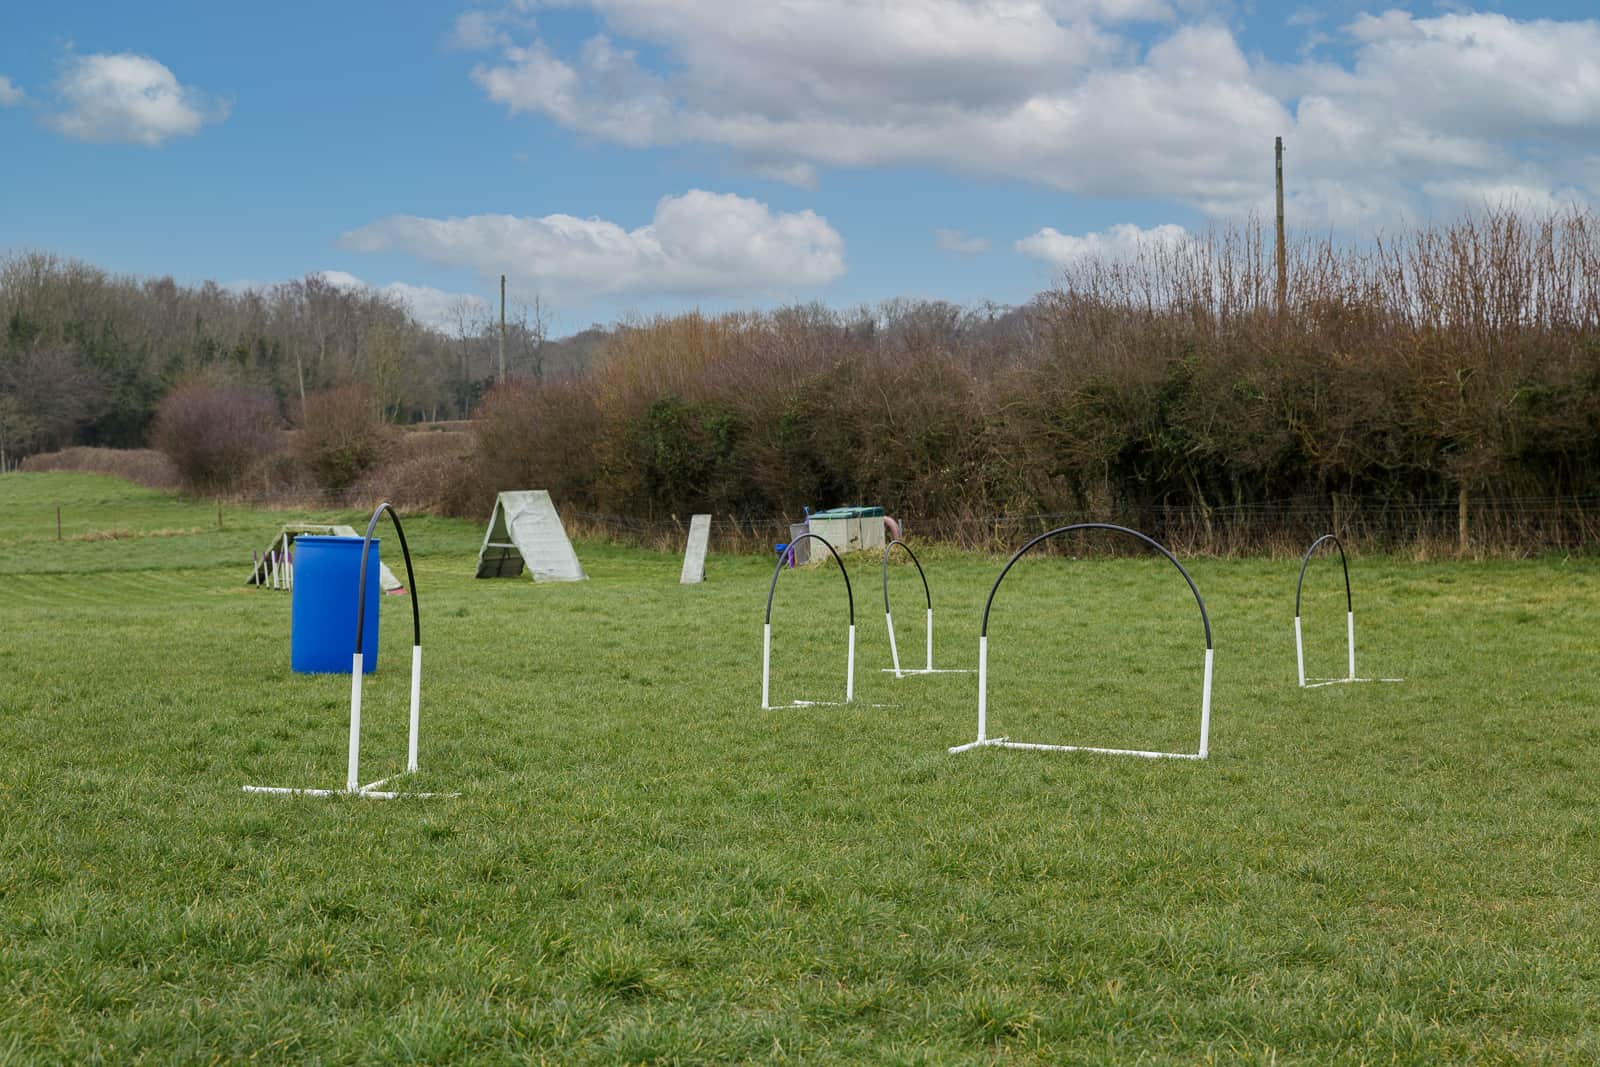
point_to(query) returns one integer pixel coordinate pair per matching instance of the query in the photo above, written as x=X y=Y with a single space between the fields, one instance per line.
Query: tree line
x=87 y=356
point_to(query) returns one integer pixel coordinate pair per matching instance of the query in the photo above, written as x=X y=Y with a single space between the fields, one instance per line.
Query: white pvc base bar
x=352 y=781
x=1006 y=742
x=826 y=704
x=985 y=741
x=370 y=794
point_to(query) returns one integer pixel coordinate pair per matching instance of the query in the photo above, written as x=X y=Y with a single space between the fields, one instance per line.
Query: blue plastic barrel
x=322 y=617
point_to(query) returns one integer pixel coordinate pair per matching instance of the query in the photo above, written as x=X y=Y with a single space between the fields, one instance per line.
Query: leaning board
x=525 y=531
x=694 y=557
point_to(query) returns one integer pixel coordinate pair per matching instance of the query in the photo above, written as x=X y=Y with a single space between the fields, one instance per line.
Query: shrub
x=213 y=433
x=535 y=435
x=423 y=472
x=343 y=436
x=143 y=466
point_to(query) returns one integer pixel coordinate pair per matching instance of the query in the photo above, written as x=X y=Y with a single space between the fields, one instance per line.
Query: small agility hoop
x=1349 y=622
x=984 y=740
x=766 y=632
x=353 y=786
x=888 y=616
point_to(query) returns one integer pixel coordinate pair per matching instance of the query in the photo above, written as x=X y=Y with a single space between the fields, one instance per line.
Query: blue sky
x=614 y=156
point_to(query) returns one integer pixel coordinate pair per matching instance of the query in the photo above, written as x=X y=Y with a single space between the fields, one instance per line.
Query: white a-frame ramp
x=526 y=531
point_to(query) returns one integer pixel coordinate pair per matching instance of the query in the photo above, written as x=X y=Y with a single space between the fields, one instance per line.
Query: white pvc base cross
x=894 y=654
x=1350 y=638
x=985 y=741
x=353 y=786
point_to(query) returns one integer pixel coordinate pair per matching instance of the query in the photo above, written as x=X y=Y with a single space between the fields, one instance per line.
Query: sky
x=622 y=157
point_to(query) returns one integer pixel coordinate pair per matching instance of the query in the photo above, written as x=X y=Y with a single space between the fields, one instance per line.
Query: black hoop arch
x=1349 y=613
x=1343 y=562
x=920 y=574
x=766 y=629
x=1205 y=620
x=983 y=654
x=773 y=588
x=411 y=578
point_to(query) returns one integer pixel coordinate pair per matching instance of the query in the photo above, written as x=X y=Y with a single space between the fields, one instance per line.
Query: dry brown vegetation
x=1167 y=391
x=145 y=466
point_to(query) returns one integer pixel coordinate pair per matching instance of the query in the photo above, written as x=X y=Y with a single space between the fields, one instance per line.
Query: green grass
x=644 y=866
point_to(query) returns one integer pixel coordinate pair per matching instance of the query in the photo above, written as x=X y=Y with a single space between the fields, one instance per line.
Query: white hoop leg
x=983 y=697
x=352 y=781
x=1205 y=710
x=850 y=668
x=1350 y=633
x=416 y=706
x=1299 y=652
x=894 y=650
x=983 y=688
x=930 y=640
x=766 y=666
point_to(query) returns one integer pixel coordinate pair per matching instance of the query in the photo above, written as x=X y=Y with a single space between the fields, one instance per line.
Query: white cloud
x=429 y=306
x=128 y=98
x=480 y=30
x=960 y=242
x=475 y=31
x=1123 y=241
x=1061 y=93
x=10 y=93
x=698 y=244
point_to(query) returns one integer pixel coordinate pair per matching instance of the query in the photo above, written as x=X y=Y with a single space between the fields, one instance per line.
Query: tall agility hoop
x=984 y=740
x=888 y=617
x=766 y=631
x=1349 y=622
x=353 y=786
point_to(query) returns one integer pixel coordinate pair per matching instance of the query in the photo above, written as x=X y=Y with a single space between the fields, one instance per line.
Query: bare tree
x=526 y=333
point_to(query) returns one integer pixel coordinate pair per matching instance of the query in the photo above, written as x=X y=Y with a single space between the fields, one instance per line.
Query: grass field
x=644 y=866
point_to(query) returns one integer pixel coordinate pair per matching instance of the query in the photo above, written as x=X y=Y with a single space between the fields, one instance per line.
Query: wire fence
x=1461 y=526
x=1491 y=527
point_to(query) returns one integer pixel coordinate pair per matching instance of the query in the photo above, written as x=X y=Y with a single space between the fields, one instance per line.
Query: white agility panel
x=894 y=649
x=525 y=531
x=1349 y=623
x=766 y=637
x=985 y=741
x=694 y=554
x=352 y=781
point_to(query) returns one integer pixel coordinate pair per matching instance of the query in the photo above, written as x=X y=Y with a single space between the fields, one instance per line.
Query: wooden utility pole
x=1283 y=267
x=503 y=328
